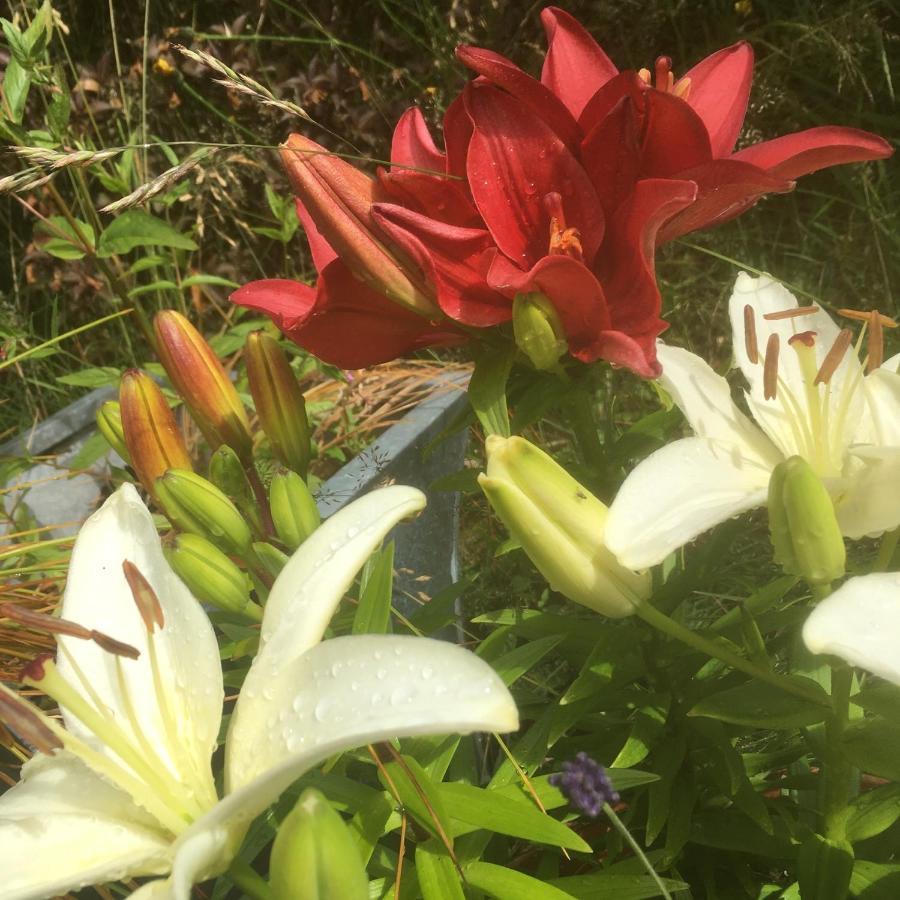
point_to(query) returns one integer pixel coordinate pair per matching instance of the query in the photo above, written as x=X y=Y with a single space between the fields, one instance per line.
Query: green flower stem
x=837 y=770
x=886 y=551
x=249 y=881
x=619 y=825
x=717 y=650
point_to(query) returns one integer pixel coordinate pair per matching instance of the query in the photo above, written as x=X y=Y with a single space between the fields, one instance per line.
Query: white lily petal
x=705 y=399
x=860 y=623
x=160 y=889
x=97 y=596
x=892 y=364
x=870 y=505
x=62 y=828
x=350 y=691
x=677 y=493
x=882 y=388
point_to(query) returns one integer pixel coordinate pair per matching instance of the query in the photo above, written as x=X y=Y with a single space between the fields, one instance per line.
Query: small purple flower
x=586 y=785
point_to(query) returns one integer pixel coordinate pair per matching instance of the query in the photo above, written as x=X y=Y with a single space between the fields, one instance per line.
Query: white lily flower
x=126 y=788
x=809 y=396
x=860 y=622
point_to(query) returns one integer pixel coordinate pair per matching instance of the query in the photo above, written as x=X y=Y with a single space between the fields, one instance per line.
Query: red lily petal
x=625 y=84
x=575 y=66
x=720 y=89
x=514 y=161
x=342 y=321
x=626 y=262
x=412 y=144
x=440 y=197
x=726 y=187
x=457 y=134
x=808 y=151
x=322 y=252
x=675 y=137
x=540 y=100
x=611 y=156
x=634 y=352
x=451 y=257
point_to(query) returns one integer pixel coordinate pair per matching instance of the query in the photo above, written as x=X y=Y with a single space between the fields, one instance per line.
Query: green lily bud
x=538 y=331
x=559 y=524
x=109 y=424
x=802 y=523
x=272 y=559
x=227 y=473
x=210 y=575
x=198 y=506
x=314 y=856
x=279 y=400
x=294 y=511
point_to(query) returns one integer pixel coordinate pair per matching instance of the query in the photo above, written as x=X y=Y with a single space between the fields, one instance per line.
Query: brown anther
x=750 y=343
x=834 y=356
x=111 y=645
x=28 y=725
x=144 y=597
x=563 y=241
x=859 y=315
x=875 y=343
x=770 y=368
x=791 y=313
x=807 y=338
x=43 y=623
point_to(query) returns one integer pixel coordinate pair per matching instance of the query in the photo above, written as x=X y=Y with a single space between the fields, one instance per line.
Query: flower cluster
x=585 y=784
x=562 y=187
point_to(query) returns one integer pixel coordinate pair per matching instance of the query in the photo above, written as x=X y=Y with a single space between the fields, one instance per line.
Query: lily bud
x=339 y=200
x=198 y=506
x=109 y=424
x=272 y=559
x=802 y=523
x=227 y=473
x=210 y=575
x=314 y=856
x=279 y=400
x=538 y=330
x=294 y=511
x=196 y=373
x=559 y=524
x=152 y=438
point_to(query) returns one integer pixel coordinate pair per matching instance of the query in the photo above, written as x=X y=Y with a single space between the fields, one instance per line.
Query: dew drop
x=427 y=672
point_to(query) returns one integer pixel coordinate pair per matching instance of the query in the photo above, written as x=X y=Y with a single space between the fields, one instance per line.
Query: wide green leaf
x=64 y=239
x=507 y=884
x=873 y=812
x=873 y=745
x=487 y=390
x=136 y=228
x=760 y=705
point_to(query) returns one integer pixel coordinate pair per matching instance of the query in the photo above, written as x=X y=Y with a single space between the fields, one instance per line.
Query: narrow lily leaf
x=513 y=665
x=487 y=391
x=438 y=878
x=871 y=744
x=417 y=793
x=488 y=809
x=374 y=611
x=758 y=705
x=613 y=884
x=507 y=884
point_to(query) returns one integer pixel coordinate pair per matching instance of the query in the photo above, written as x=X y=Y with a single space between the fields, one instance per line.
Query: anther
x=794 y=313
x=111 y=645
x=834 y=356
x=663 y=74
x=645 y=76
x=875 y=343
x=144 y=597
x=683 y=88
x=770 y=368
x=28 y=725
x=859 y=315
x=563 y=241
x=750 y=342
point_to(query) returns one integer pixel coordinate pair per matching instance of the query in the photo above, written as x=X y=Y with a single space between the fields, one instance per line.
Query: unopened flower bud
x=272 y=559
x=151 y=434
x=198 y=506
x=196 y=373
x=279 y=401
x=802 y=523
x=227 y=473
x=109 y=424
x=559 y=524
x=314 y=856
x=538 y=330
x=294 y=511
x=210 y=575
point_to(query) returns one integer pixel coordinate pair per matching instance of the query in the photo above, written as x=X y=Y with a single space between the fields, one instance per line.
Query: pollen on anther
x=794 y=313
x=750 y=341
x=834 y=356
x=770 y=368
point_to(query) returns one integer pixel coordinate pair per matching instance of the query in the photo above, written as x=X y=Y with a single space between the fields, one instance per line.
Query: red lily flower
x=624 y=129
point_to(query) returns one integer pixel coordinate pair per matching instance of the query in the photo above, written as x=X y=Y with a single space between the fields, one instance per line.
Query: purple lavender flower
x=585 y=784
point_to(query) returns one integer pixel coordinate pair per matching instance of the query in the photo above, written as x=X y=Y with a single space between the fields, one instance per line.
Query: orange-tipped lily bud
x=279 y=401
x=339 y=200
x=196 y=373
x=152 y=438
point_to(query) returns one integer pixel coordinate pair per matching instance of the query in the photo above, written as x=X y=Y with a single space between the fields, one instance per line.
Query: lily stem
x=249 y=881
x=659 y=620
x=581 y=418
x=619 y=825
x=837 y=769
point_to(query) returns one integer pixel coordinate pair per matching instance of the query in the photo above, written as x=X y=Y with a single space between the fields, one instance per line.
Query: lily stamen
x=563 y=240
x=859 y=315
x=144 y=597
x=28 y=725
x=750 y=342
x=834 y=356
x=790 y=313
x=876 y=343
x=770 y=367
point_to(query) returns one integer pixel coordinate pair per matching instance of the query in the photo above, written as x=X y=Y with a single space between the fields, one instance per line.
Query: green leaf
x=608 y=885
x=92 y=378
x=487 y=390
x=58 y=110
x=374 y=611
x=507 y=884
x=489 y=809
x=146 y=262
x=513 y=665
x=438 y=878
x=136 y=228
x=823 y=868
x=161 y=285
x=871 y=745
x=411 y=782
x=208 y=279
x=875 y=881
x=873 y=812
x=646 y=726
x=16 y=83
x=60 y=239
x=760 y=705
